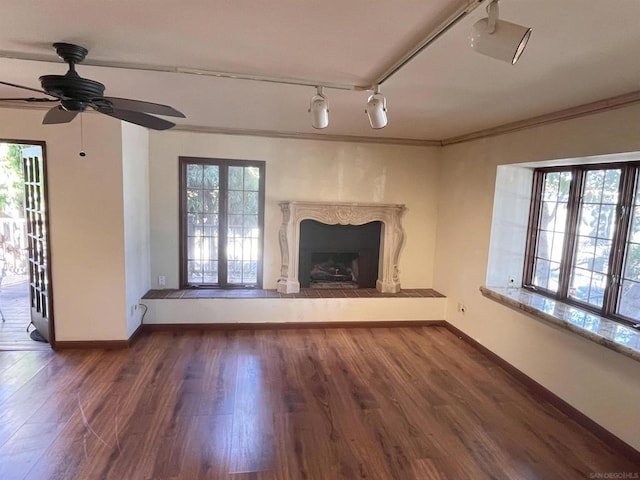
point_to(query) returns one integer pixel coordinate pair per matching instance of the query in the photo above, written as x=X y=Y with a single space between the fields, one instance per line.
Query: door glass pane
x=596 y=225
x=235 y=221
x=210 y=271
x=210 y=199
x=249 y=272
x=194 y=248
x=251 y=179
x=194 y=201
x=209 y=225
x=211 y=177
x=243 y=233
x=194 y=176
x=234 y=272
x=202 y=196
x=250 y=202
x=629 y=299
x=251 y=224
x=236 y=178
x=194 y=224
x=235 y=202
x=212 y=248
x=194 y=271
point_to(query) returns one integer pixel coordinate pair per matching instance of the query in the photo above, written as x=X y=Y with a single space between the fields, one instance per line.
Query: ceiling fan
x=76 y=94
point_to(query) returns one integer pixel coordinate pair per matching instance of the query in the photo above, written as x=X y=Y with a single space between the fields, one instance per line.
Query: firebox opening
x=334 y=270
x=339 y=256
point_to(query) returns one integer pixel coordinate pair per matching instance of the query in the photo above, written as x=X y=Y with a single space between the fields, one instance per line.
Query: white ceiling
x=580 y=51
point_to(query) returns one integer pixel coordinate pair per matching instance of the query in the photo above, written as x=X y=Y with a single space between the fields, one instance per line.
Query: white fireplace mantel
x=332 y=213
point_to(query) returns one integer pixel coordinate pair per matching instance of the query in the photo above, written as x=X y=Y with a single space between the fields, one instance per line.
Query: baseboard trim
x=91 y=344
x=544 y=394
x=172 y=327
x=135 y=336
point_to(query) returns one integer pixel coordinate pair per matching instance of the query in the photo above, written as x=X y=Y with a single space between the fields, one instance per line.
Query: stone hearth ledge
x=333 y=213
x=609 y=334
x=295 y=309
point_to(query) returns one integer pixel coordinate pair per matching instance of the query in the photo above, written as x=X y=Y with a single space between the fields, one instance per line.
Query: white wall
x=85 y=210
x=602 y=384
x=135 y=173
x=302 y=170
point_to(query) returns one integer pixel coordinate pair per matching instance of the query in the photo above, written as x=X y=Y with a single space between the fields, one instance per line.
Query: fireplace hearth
x=376 y=252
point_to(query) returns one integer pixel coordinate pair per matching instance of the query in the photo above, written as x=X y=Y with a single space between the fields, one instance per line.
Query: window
x=584 y=238
x=221 y=222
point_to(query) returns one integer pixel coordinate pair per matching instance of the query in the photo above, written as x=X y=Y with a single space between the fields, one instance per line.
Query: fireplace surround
x=333 y=213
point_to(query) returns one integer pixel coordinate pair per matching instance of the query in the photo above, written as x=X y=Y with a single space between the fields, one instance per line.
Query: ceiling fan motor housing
x=70 y=53
x=75 y=92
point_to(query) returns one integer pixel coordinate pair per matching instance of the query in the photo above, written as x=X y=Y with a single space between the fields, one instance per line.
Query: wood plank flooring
x=14 y=302
x=381 y=403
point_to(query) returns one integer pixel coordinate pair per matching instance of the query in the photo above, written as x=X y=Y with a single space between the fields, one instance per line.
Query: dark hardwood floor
x=380 y=403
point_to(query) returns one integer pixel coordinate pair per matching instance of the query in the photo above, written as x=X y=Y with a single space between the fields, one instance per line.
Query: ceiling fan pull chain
x=82 y=153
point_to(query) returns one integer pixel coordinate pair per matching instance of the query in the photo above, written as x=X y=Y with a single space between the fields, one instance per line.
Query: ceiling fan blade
x=138 y=118
x=147 y=107
x=30 y=99
x=29 y=88
x=58 y=115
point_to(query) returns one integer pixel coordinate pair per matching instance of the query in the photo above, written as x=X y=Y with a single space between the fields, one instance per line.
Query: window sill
x=601 y=330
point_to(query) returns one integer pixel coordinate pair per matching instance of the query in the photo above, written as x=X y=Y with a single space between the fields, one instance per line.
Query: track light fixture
x=377 y=109
x=499 y=39
x=319 y=109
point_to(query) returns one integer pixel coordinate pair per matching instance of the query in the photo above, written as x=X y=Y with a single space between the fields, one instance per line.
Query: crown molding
x=307 y=136
x=600 y=106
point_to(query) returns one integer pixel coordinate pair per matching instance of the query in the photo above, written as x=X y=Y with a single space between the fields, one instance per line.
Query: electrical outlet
x=462 y=308
x=162 y=280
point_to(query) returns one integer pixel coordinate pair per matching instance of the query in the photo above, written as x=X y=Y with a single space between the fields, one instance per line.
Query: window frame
x=223 y=164
x=630 y=175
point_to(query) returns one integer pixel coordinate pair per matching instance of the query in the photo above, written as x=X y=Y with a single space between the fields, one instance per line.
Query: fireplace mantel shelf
x=332 y=213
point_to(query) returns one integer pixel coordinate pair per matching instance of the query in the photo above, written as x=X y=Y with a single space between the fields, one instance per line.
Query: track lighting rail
x=189 y=71
x=387 y=73
x=490 y=36
x=425 y=42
